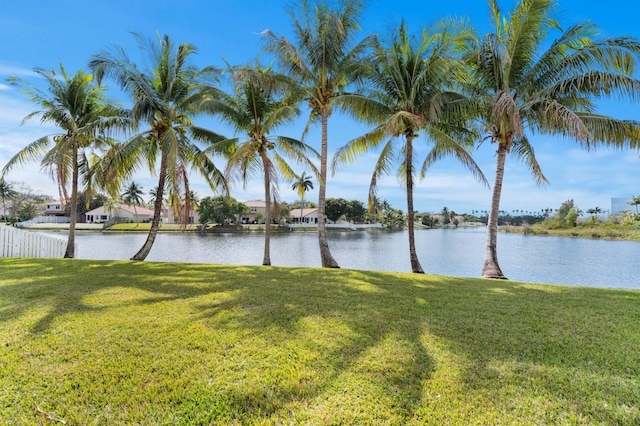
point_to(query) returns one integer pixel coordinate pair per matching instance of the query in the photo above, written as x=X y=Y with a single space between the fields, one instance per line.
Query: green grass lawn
x=123 y=343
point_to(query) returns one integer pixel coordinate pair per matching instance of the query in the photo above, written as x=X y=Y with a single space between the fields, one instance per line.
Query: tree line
x=446 y=87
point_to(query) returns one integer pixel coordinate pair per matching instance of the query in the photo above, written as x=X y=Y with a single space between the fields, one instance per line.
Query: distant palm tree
x=524 y=82
x=165 y=97
x=153 y=194
x=109 y=205
x=195 y=199
x=7 y=193
x=132 y=195
x=78 y=107
x=635 y=200
x=302 y=185
x=325 y=62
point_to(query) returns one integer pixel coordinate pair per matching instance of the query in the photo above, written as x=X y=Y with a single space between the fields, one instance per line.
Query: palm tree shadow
x=379 y=348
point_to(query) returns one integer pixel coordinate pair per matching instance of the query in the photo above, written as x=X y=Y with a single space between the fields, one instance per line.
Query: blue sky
x=44 y=34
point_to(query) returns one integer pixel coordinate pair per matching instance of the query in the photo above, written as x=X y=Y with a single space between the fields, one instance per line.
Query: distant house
x=176 y=216
x=256 y=207
x=120 y=213
x=54 y=208
x=304 y=216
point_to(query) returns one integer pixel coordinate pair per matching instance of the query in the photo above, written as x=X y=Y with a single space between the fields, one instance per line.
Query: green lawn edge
x=120 y=342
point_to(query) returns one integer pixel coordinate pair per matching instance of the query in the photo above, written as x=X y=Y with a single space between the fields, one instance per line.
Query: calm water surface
x=459 y=252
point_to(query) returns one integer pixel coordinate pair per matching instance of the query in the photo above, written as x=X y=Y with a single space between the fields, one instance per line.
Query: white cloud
x=9 y=70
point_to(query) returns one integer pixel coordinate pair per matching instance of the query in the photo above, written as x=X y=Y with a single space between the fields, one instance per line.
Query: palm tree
x=325 y=61
x=263 y=101
x=153 y=195
x=635 y=200
x=408 y=98
x=520 y=87
x=109 y=205
x=166 y=96
x=132 y=195
x=7 y=193
x=78 y=107
x=302 y=184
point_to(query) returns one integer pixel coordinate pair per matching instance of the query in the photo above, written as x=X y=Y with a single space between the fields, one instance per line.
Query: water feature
x=459 y=252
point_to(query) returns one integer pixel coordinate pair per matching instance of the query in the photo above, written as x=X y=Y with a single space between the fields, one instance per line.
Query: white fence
x=43 y=219
x=18 y=243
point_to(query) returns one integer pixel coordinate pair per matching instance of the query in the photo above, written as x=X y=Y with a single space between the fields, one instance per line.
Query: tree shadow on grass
x=568 y=352
x=355 y=348
x=311 y=345
x=315 y=334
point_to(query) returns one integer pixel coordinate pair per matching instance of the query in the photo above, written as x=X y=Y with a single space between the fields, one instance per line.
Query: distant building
x=618 y=205
x=120 y=213
x=54 y=208
x=305 y=216
x=256 y=207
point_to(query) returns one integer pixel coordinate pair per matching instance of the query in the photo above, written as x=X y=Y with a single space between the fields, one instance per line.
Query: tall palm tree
x=166 y=96
x=77 y=105
x=302 y=184
x=263 y=101
x=132 y=195
x=409 y=77
x=522 y=88
x=7 y=193
x=325 y=61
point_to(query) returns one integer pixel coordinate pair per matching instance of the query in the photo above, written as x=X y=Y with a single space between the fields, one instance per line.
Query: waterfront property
x=305 y=216
x=256 y=213
x=53 y=208
x=120 y=213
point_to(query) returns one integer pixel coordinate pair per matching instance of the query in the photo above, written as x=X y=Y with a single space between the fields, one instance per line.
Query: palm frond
x=522 y=150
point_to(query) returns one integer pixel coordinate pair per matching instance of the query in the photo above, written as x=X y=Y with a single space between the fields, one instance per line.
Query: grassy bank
x=605 y=231
x=104 y=342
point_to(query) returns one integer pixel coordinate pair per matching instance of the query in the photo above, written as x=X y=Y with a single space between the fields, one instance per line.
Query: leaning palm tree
x=166 y=96
x=132 y=195
x=522 y=88
x=263 y=101
x=302 y=184
x=7 y=193
x=78 y=107
x=408 y=79
x=325 y=61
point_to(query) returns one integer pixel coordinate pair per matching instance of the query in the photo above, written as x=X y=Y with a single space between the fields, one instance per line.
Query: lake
x=452 y=252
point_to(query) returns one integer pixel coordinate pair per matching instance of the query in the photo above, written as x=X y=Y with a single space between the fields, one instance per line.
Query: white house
x=120 y=213
x=305 y=216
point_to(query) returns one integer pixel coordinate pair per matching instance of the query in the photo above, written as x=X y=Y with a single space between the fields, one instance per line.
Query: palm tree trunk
x=325 y=254
x=157 y=211
x=415 y=263
x=267 y=214
x=490 y=267
x=71 y=241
